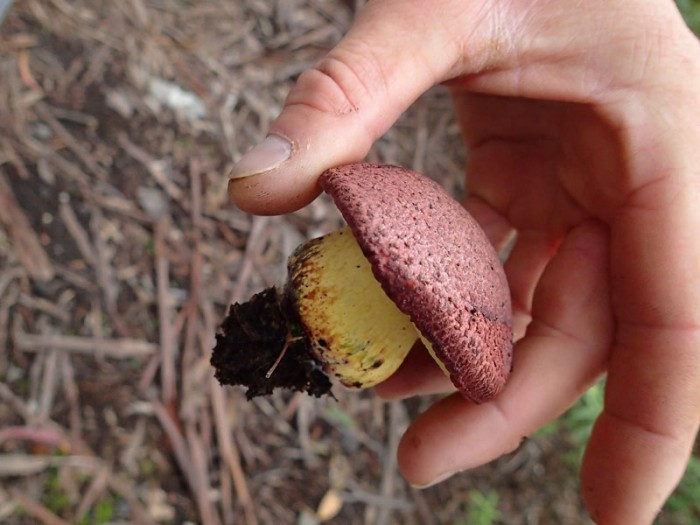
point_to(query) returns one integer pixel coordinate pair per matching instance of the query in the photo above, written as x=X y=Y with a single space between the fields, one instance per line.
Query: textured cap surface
x=434 y=261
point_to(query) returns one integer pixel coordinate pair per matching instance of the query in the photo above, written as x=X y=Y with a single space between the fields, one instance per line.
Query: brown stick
x=25 y=241
x=167 y=337
x=36 y=509
x=229 y=451
x=125 y=348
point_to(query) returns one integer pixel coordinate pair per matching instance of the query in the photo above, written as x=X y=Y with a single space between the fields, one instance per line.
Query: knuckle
x=337 y=85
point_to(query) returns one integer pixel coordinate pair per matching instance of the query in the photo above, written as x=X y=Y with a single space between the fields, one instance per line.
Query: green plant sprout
x=482 y=509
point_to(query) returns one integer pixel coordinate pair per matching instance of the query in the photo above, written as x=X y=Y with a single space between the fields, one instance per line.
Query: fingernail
x=439 y=479
x=267 y=155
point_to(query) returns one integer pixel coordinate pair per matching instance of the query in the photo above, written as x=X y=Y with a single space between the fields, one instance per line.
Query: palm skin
x=577 y=282
x=582 y=126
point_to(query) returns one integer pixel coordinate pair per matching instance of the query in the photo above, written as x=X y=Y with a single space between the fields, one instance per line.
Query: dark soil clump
x=261 y=348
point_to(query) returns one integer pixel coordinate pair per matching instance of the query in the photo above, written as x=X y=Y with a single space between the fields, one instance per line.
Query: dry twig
x=25 y=241
x=124 y=348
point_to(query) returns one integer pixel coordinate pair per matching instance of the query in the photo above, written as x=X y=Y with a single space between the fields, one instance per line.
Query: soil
x=261 y=347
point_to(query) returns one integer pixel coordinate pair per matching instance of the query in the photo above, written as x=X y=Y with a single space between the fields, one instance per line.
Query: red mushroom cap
x=435 y=262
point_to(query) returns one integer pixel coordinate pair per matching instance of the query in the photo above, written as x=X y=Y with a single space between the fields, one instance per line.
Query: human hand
x=581 y=119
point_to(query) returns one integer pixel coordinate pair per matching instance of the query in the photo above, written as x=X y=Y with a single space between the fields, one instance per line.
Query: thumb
x=337 y=109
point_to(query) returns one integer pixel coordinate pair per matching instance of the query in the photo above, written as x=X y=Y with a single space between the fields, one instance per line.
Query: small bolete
x=411 y=264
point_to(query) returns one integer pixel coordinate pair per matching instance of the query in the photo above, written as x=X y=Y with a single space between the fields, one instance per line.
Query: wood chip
x=330 y=505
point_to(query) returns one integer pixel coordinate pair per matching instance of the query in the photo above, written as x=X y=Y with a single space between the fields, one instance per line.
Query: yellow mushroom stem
x=354 y=328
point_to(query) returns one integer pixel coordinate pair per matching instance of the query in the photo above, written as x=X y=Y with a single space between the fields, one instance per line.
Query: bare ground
x=119 y=255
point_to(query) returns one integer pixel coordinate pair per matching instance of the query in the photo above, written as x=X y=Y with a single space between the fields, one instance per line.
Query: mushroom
x=411 y=264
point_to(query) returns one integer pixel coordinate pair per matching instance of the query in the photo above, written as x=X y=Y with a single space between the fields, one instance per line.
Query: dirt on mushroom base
x=258 y=347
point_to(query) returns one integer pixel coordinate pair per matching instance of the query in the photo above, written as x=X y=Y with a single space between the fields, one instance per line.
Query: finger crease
x=654 y=433
x=549 y=330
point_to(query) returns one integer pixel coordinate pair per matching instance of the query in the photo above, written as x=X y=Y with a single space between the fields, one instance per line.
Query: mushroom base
x=333 y=319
